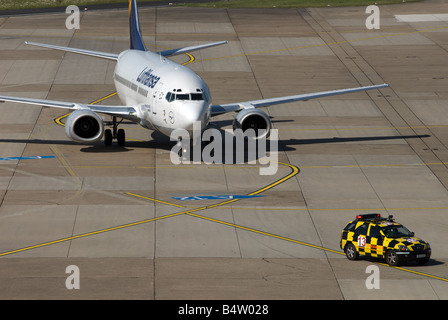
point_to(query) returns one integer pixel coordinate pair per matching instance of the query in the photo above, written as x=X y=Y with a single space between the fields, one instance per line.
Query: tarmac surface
x=111 y=211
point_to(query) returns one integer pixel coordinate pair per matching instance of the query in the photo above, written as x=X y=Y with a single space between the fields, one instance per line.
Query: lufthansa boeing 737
x=159 y=94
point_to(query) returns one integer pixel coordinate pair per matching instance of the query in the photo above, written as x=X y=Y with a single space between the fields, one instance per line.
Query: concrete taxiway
x=111 y=211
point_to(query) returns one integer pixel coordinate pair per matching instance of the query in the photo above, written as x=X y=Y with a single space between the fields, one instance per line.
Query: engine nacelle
x=84 y=126
x=253 y=119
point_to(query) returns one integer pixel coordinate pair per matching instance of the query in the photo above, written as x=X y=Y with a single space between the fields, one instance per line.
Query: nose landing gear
x=115 y=133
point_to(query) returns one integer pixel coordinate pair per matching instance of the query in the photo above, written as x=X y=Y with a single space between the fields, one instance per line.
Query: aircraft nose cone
x=192 y=114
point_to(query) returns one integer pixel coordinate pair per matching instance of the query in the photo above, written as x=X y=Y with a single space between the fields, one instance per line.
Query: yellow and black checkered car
x=373 y=236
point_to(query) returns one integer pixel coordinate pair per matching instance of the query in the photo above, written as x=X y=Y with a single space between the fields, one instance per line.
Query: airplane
x=160 y=94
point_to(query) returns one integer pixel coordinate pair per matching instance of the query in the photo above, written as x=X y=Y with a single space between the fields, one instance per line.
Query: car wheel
x=350 y=252
x=391 y=258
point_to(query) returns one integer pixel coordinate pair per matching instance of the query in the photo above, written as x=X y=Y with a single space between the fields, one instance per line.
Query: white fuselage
x=165 y=94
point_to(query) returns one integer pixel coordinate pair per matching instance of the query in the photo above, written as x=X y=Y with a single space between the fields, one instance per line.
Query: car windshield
x=396 y=231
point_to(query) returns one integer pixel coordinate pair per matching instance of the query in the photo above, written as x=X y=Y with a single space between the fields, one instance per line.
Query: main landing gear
x=115 y=133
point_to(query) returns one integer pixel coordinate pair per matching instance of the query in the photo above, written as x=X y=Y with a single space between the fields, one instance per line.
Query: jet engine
x=255 y=119
x=84 y=126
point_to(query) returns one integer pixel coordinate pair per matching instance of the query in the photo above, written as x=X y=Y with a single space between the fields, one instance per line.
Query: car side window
x=362 y=229
x=350 y=226
x=375 y=232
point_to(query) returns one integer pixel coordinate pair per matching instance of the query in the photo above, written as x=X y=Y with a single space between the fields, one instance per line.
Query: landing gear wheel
x=115 y=133
x=121 y=138
x=107 y=137
x=350 y=252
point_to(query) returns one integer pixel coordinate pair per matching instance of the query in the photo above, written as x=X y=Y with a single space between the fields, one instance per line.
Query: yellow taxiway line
x=295 y=171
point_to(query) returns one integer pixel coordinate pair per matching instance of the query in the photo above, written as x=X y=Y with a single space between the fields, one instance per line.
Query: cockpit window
x=170 y=96
x=182 y=96
x=197 y=96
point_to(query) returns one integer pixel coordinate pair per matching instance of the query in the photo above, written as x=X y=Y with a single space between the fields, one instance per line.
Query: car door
x=360 y=238
x=375 y=241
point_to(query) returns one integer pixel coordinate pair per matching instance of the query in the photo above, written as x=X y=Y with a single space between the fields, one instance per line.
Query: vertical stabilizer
x=134 y=26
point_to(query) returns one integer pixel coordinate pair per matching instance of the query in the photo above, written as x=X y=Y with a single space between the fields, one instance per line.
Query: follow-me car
x=374 y=236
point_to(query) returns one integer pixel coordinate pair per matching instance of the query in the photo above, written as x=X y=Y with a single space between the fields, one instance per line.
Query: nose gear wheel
x=115 y=133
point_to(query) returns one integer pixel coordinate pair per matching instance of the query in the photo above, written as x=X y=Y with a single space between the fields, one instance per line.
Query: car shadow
x=409 y=263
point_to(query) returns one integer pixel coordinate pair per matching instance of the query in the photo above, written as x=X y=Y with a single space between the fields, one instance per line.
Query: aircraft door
x=157 y=96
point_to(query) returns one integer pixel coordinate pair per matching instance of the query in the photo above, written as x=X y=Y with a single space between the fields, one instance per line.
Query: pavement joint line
x=58 y=119
x=294 y=172
x=324 y=44
x=191 y=212
x=408 y=165
x=66 y=165
x=329 y=209
x=363 y=128
x=155 y=200
x=265 y=233
x=192 y=59
x=423 y=164
x=309 y=245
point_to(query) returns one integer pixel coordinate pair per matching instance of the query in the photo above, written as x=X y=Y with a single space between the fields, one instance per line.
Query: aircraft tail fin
x=134 y=26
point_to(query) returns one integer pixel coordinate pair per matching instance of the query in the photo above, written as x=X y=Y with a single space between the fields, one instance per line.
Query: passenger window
x=350 y=226
x=375 y=232
x=362 y=229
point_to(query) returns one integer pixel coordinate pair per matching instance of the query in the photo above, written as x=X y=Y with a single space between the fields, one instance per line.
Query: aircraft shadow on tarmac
x=163 y=142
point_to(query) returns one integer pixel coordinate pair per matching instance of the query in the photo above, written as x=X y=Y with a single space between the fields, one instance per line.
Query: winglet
x=134 y=27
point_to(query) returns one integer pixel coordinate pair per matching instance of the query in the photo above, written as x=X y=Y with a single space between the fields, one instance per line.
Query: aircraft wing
x=174 y=52
x=223 y=108
x=98 y=54
x=118 y=111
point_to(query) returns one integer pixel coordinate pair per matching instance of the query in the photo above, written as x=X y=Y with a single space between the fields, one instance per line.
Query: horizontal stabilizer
x=174 y=52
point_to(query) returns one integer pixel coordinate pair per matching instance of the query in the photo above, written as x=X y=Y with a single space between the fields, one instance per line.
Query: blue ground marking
x=26 y=158
x=224 y=197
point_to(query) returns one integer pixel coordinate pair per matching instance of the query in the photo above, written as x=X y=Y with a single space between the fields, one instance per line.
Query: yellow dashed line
x=295 y=170
x=265 y=233
x=64 y=162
